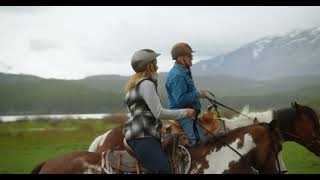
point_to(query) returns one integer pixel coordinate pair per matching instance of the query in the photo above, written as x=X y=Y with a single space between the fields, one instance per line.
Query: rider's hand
x=203 y=93
x=191 y=113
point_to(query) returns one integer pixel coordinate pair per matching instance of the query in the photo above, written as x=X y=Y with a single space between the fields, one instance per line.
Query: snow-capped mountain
x=296 y=53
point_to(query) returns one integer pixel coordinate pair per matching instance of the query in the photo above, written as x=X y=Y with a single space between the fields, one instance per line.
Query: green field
x=27 y=143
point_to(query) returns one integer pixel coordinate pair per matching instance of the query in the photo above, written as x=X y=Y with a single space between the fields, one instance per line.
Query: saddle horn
x=210 y=107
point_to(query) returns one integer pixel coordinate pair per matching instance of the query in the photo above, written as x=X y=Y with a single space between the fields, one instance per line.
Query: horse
x=78 y=162
x=297 y=123
x=243 y=150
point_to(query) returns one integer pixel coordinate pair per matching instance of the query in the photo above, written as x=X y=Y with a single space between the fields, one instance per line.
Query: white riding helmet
x=142 y=58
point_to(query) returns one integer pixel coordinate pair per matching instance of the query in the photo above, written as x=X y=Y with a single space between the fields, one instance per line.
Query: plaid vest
x=141 y=122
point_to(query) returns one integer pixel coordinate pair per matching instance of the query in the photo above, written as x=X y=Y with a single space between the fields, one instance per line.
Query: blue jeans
x=149 y=152
x=187 y=125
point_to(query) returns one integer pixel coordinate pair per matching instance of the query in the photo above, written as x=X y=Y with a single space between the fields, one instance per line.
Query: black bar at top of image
x=159 y=2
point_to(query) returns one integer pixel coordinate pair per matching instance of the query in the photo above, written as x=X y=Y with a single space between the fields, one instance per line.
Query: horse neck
x=219 y=155
x=261 y=116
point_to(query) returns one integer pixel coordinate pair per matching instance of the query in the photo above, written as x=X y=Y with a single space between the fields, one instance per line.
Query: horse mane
x=231 y=134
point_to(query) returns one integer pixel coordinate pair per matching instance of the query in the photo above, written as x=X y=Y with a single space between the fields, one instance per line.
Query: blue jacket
x=181 y=90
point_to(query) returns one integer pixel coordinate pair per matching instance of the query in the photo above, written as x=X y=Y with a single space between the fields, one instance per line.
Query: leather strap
x=128 y=148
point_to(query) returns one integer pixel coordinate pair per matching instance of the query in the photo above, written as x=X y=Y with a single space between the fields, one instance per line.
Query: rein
x=277 y=159
x=215 y=137
x=299 y=139
x=214 y=102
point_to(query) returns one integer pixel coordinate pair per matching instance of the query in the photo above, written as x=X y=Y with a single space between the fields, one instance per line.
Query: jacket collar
x=181 y=68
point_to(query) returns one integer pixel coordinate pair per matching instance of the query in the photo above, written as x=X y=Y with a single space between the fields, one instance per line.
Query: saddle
x=115 y=161
x=123 y=161
x=207 y=121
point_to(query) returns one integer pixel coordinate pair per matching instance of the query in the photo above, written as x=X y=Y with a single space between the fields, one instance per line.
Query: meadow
x=24 y=144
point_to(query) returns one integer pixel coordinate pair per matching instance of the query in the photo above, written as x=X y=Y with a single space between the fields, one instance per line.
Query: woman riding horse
x=248 y=149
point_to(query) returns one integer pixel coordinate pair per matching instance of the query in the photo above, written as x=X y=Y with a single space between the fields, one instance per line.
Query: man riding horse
x=182 y=92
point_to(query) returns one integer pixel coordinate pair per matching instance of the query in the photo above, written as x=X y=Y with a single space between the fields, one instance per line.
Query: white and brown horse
x=240 y=151
x=80 y=162
x=298 y=123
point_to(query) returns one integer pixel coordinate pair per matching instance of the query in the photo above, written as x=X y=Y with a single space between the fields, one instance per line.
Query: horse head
x=305 y=128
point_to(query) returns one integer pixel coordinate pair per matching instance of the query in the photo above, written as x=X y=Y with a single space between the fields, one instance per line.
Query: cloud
x=22 y=9
x=42 y=44
x=5 y=67
x=104 y=38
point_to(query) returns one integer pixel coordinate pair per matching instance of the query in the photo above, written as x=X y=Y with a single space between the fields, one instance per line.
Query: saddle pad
x=127 y=162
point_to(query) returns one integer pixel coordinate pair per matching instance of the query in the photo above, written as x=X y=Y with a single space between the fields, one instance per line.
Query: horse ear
x=295 y=105
x=273 y=124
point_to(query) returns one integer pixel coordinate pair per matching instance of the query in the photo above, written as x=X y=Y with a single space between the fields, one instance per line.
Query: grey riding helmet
x=142 y=58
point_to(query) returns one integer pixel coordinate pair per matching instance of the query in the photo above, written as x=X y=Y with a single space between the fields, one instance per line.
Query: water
x=53 y=116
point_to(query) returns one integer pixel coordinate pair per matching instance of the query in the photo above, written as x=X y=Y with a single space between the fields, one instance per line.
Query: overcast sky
x=75 y=42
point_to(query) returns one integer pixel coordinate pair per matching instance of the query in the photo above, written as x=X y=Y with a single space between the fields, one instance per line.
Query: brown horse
x=298 y=123
x=240 y=151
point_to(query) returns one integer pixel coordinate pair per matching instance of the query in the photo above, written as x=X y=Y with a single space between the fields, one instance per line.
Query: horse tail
x=97 y=142
x=37 y=169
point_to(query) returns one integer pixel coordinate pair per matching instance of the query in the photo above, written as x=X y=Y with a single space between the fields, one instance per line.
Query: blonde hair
x=138 y=76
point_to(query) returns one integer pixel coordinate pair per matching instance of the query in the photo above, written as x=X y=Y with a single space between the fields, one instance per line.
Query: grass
x=299 y=160
x=21 y=150
x=25 y=144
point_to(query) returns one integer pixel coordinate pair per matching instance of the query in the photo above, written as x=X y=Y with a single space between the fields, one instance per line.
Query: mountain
x=27 y=94
x=306 y=96
x=24 y=94
x=17 y=78
x=110 y=83
x=221 y=85
x=294 y=54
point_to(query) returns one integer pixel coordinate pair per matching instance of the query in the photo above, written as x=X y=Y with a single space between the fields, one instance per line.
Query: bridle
x=275 y=153
x=286 y=130
x=296 y=138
